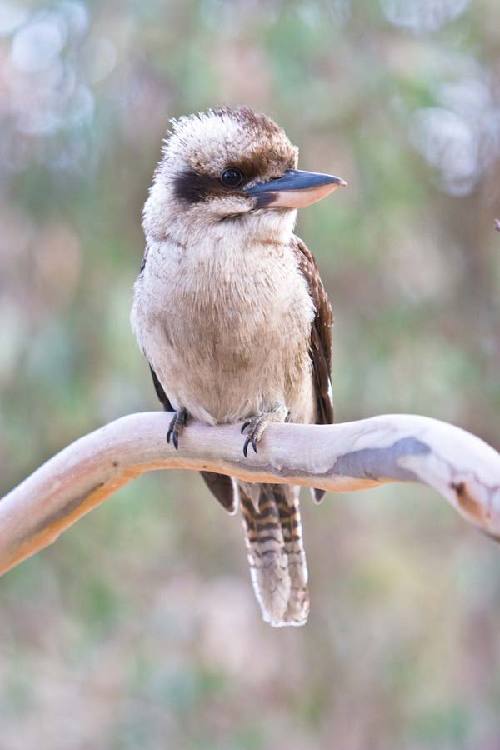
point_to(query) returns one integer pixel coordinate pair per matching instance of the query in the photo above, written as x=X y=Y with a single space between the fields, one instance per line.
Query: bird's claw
x=256 y=427
x=249 y=441
x=177 y=424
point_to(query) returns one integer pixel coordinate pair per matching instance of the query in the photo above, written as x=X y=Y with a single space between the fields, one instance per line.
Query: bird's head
x=233 y=166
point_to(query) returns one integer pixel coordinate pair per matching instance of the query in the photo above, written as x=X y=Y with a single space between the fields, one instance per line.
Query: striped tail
x=273 y=532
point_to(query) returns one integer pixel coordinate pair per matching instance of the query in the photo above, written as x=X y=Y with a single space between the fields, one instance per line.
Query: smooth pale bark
x=339 y=458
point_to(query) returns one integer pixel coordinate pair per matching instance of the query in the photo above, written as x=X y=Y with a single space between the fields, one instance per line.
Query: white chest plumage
x=226 y=327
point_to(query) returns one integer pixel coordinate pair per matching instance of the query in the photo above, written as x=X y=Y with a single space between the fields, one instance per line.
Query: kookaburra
x=231 y=314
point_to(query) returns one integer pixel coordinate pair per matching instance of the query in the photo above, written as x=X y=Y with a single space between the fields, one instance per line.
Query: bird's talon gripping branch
x=256 y=426
x=177 y=424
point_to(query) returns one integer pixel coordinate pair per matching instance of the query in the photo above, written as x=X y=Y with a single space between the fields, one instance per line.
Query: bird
x=231 y=314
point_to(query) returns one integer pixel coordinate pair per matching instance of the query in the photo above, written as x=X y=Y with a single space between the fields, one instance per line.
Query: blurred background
x=138 y=628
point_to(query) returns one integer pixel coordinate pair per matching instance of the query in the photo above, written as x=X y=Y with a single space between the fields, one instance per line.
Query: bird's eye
x=231 y=177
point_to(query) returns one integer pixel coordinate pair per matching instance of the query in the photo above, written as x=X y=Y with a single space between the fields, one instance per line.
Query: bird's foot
x=177 y=424
x=255 y=426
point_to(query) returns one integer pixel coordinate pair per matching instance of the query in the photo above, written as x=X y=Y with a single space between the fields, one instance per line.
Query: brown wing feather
x=321 y=339
x=321 y=333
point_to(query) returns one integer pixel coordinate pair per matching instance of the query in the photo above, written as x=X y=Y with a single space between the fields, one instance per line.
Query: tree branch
x=339 y=458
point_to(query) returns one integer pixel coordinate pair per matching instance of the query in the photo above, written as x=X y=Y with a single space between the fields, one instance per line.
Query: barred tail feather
x=273 y=532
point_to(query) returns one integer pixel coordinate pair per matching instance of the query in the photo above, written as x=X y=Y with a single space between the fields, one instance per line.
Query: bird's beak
x=295 y=189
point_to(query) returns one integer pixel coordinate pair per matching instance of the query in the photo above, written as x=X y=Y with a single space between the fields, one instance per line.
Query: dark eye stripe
x=191 y=187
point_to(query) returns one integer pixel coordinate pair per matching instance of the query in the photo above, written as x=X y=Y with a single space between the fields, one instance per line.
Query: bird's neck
x=240 y=231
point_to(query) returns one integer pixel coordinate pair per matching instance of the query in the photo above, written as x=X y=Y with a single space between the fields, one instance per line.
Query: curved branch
x=339 y=458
